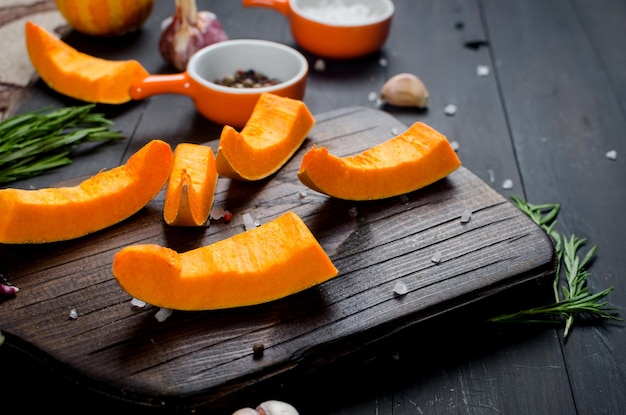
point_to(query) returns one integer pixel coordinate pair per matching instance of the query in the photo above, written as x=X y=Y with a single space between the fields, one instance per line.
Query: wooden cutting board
x=198 y=358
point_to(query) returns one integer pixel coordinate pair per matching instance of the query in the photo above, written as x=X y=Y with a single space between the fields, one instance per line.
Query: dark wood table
x=544 y=117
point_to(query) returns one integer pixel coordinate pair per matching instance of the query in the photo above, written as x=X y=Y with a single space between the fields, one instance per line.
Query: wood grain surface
x=197 y=358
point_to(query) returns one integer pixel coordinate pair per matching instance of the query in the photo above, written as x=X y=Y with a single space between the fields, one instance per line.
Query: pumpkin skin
x=105 y=17
x=276 y=128
x=414 y=159
x=110 y=196
x=272 y=261
x=191 y=186
x=77 y=74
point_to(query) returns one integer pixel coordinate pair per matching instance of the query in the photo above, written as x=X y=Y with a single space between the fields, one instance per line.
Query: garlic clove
x=405 y=90
x=276 y=408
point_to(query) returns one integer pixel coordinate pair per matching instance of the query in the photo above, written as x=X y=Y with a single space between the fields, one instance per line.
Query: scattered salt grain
x=372 y=96
x=217 y=213
x=466 y=216
x=163 y=314
x=400 y=288
x=248 y=222
x=302 y=193
x=450 y=109
x=507 y=184
x=382 y=62
x=455 y=145
x=436 y=258
x=319 y=65
x=492 y=176
x=353 y=212
x=73 y=314
x=611 y=155
x=135 y=302
x=482 y=70
x=395 y=131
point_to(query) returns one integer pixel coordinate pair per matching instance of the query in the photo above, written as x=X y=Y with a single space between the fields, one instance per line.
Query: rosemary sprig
x=574 y=297
x=35 y=142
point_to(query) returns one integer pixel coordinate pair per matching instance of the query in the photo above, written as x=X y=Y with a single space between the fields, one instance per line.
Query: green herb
x=35 y=142
x=573 y=297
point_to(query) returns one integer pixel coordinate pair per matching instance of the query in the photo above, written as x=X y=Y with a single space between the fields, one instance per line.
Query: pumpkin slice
x=191 y=186
x=275 y=130
x=110 y=196
x=414 y=159
x=272 y=261
x=77 y=74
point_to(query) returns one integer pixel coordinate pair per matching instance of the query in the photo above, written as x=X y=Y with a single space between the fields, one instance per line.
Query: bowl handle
x=281 y=6
x=179 y=83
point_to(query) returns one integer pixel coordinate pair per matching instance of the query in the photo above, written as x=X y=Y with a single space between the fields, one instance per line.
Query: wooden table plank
x=565 y=109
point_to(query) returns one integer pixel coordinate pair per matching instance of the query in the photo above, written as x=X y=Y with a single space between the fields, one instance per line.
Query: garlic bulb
x=189 y=31
x=405 y=90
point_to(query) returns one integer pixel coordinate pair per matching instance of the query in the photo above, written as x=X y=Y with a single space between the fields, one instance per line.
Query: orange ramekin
x=335 y=36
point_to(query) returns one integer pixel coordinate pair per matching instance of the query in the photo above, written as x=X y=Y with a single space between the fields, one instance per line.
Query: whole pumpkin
x=105 y=17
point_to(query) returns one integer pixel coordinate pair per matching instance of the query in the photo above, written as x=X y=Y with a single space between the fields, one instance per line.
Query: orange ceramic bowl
x=229 y=105
x=339 y=29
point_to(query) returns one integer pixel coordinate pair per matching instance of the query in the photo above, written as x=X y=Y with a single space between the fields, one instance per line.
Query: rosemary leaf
x=571 y=276
x=35 y=142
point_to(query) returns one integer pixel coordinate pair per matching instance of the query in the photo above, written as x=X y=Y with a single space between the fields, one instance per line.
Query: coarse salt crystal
x=611 y=155
x=400 y=288
x=217 y=213
x=450 y=109
x=466 y=216
x=163 y=314
x=372 y=96
x=320 y=65
x=436 y=258
x=302 y=193
x=248 y=222
x=382 y=62
x=455 y=145
x=338 y=11
x=482 y=70
x=73 y=314
x=507 y=184
x=135 y=302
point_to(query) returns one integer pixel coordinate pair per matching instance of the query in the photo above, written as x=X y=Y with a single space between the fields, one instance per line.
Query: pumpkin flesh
x=414 y=159
x=272 y=261
x=276 y=129
x=191 y=186
x=78 y=75
x=108 y=197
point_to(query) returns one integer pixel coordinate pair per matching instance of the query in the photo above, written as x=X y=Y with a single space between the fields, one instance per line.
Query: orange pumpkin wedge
x=78 y=75
x=191 y=186
x=414 y=159
x=272 y=261
x=110 y=196
x=275 y=130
